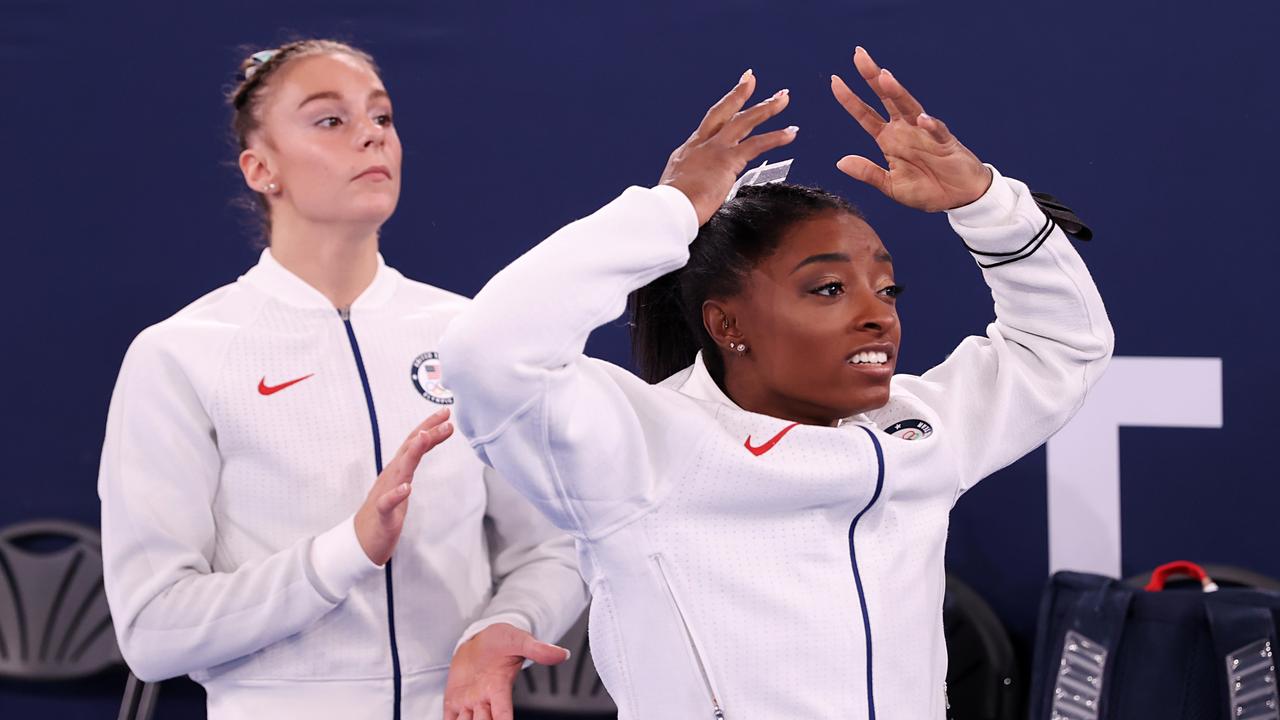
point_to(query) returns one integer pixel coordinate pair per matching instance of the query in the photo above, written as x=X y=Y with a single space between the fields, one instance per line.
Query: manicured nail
x=925 y=116
x=567 y=653
x=857 y=49
x=781 y=93
x=745 y=75
x=793 y=129
x=885 y=72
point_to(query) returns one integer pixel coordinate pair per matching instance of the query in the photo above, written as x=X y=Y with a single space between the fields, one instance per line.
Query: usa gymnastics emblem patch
x=427 y=378
x=910 y=429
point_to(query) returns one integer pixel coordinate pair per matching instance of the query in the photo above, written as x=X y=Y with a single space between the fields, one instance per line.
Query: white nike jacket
x=243 y=434
x=805 y=581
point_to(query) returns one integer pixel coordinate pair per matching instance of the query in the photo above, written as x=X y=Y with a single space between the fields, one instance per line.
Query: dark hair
x=246 y=97
x=666 y=315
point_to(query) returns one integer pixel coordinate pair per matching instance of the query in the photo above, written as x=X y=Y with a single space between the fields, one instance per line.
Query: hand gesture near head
x=928 y=168
x=705 y=167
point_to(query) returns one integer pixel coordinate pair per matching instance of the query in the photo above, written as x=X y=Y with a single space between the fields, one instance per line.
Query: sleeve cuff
x=996 y=206
x=337 y=562
x=1004 y=224
x=681 y=209
x=511 y=618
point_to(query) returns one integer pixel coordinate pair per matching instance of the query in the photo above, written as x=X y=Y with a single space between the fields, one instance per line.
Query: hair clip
x=259 y=59
x=762 y=175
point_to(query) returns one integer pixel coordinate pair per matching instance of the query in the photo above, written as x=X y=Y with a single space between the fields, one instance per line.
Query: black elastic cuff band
x=1039 y=237
x=1038 y=240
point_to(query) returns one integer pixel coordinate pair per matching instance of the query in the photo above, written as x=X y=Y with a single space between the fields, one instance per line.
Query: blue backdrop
x=1155 y=120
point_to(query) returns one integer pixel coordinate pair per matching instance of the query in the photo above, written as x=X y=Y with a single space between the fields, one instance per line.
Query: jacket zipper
x=345 y=314
x=717 y=711
x=857 y=575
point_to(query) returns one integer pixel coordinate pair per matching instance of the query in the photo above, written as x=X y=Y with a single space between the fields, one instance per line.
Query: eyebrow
x=881 y=256
x=332 y=95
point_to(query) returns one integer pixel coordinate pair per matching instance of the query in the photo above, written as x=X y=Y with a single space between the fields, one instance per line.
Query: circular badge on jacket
x=910 y=429
x=427 y=378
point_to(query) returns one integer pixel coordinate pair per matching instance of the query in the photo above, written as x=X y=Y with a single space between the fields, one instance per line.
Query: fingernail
x=885 y=71
x=857 y=49
x=404 y=488
x=745 y=75
x=925 y=116
x=567 y=652
x=781 y=93
x=793 y=129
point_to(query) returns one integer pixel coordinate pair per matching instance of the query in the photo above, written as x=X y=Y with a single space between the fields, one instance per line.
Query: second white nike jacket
x=801 y=580
x=243 y=434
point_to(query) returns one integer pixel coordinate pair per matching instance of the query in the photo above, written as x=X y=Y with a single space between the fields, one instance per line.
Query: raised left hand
x=928 y=167
x=485 y=667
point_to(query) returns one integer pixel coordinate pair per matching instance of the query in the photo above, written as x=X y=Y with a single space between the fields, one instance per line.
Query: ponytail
x=661 y=340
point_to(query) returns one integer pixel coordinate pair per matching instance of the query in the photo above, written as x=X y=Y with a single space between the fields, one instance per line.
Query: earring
x=740 y=347
x=270 y=188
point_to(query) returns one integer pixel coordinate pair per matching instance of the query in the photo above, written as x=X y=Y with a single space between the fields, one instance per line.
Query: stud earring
x=270 y=188
x=740 y=347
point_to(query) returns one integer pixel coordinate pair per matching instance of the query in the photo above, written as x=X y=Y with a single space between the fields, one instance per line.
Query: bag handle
x=1176 y=568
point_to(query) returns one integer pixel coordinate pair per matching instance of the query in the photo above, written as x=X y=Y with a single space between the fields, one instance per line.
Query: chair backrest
x=571 y=688
x=54 y=620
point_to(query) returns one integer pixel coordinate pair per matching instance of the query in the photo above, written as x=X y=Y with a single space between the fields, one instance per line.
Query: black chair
x=984 y=681
x=54 y=621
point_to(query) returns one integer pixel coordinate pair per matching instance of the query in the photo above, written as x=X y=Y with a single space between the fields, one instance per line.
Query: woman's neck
x=338 y=260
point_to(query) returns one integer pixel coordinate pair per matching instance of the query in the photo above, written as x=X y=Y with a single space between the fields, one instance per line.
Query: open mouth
x=873 y=358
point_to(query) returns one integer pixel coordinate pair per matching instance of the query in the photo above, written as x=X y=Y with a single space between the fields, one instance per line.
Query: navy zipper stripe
x=377 y=460
x=857 y=576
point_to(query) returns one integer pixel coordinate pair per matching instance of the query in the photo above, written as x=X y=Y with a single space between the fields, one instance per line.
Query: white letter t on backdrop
x=1084 y=457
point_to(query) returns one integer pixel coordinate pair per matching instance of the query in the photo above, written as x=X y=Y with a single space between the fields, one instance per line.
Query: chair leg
x=139 y=702
x=129 y=703
x=147 y=704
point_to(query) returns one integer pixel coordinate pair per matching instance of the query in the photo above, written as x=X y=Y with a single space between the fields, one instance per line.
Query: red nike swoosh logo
x=265 y=389
x=758 y=451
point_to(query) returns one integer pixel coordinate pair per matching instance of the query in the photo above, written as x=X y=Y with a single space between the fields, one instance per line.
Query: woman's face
x=820 y=320
x=327 y=138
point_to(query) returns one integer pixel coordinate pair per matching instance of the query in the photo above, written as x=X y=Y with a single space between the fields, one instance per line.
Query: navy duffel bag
x=1105 y=651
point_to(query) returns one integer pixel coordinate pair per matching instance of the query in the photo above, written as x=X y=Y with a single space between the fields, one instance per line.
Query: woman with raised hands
x=763 y=530
x=287 y=515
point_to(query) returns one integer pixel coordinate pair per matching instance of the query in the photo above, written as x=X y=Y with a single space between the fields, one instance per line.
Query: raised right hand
x=705 y=167
x=381 y=517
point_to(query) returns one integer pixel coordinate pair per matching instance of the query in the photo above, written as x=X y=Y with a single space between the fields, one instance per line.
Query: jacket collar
x=696 y=382
x=275 y=280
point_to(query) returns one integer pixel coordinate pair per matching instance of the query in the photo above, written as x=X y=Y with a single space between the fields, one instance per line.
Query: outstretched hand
x=485 y=667
x=705 y=167
x=928 y=168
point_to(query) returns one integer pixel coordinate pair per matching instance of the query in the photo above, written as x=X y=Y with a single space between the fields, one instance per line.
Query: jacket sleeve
x=538 y=588
x=576 y=436
x=173 y=614
x=1002 y=395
